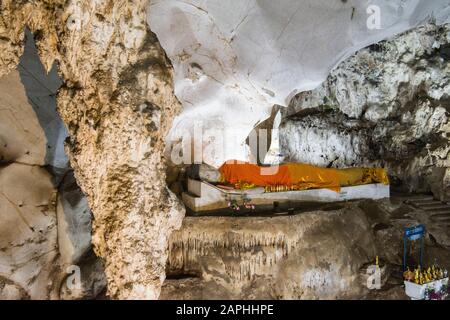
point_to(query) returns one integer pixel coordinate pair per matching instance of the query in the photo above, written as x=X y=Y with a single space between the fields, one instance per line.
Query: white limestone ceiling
x=235 y=59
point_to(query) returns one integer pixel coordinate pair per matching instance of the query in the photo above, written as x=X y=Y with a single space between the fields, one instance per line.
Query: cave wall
x=315 y=254
x=117 y=103
x=387 y=105
x=234 y=60
x=44 y=219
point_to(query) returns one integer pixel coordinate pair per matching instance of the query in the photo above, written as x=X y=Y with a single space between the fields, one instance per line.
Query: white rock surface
x=234 y=60
x=36 y=93
x=25 y=145
x=312 y=255
x=325 y=140
x=386 y=105
x=45 y=225
x=29 y=257
x=28 y=236
x=118 y=105
x=74 y=221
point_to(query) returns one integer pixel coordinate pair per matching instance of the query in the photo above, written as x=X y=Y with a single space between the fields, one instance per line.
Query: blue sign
x=415 y=233
x=412 y=234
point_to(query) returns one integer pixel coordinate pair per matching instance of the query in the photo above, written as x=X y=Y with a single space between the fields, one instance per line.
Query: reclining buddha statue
x=289 y=176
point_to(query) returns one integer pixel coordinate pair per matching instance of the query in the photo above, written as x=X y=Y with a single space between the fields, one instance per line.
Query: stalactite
x=307 y=255
x=256 y=248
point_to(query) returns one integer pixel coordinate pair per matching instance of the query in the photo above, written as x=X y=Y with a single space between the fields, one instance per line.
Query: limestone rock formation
x=234 y=60
x=28 y=241
x=29 y=256
x=386 y=105
x=117 y=102
x=45 y=223
x=74 y=242
x=309 y=255
x=25 y=146
x=74 y=221
x=314 y=254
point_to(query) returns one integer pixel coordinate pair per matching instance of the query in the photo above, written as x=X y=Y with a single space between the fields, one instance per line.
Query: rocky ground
x=313 y=254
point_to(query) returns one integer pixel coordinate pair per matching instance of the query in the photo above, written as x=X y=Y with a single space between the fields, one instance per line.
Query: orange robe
x=303 y=176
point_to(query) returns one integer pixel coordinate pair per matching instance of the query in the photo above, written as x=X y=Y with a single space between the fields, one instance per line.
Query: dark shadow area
x=41 y=89
x=271 y=210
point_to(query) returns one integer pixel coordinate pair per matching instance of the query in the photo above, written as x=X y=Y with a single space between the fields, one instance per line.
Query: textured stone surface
x=311 y=255
x=117 y=102
x=35 y=207
x=31 y=131
x=317 y=254
x=234 y=60
x=74 y=221
x=41 y=89
x=34 y=265
x=27 y=144
x=386 y=105
x=74 y=242
x=91 y=275
x=28 y=236
x=29 y=258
